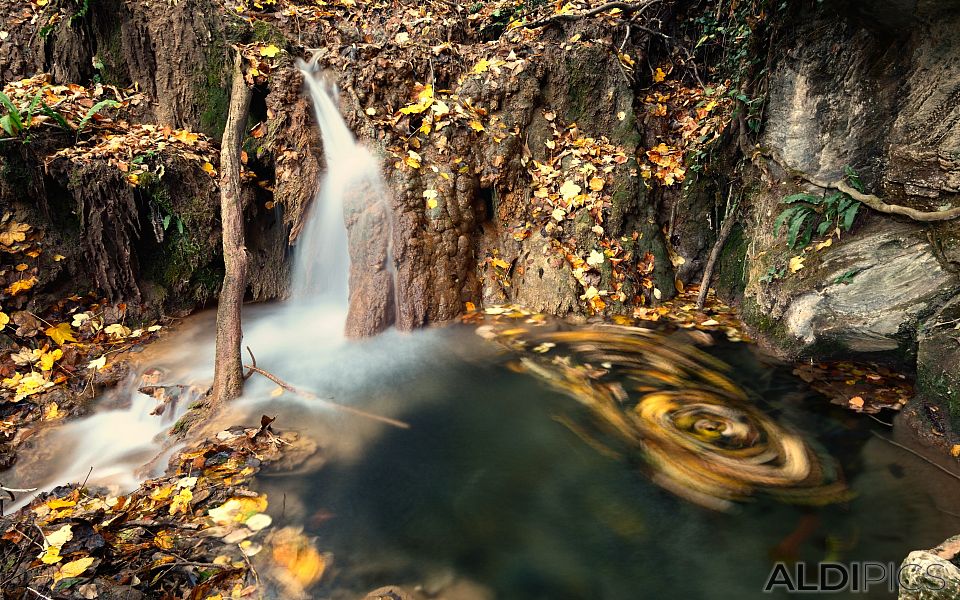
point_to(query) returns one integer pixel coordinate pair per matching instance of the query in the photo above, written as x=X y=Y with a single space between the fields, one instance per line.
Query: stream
x=509 y=483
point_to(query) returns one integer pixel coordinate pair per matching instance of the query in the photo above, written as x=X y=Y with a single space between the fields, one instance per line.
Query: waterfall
x=352 y=193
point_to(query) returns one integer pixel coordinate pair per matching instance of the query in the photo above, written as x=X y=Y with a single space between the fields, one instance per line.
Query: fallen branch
x=312 y=396
x=877 y=204
x=625 y=7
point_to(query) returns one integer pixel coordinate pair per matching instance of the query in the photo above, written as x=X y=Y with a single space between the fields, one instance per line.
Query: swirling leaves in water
x=698 y=433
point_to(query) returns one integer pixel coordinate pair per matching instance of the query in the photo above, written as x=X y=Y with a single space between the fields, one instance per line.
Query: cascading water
x=352 y=191
x=119 y=444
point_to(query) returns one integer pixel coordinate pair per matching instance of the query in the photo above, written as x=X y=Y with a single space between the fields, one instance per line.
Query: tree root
x=869 y=200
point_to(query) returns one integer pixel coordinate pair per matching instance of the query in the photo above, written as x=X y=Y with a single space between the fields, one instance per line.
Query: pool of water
x=504 y=486
x=496 y=484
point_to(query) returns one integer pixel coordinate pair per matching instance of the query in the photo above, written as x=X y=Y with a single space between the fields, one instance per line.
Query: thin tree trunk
x=725 y=229
x=228 y=370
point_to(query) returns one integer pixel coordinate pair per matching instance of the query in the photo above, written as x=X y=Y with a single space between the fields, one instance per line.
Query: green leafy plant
x=96 y=108
x=809 y=212
x=774 y=273
x=12 y=122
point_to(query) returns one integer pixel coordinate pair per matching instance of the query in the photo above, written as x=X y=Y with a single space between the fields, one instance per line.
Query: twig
x=253 y=358
x=256 y=576
x=84 y=484
x=878 y=420
x=312 y=396
x=917 y=454
x=39 y=595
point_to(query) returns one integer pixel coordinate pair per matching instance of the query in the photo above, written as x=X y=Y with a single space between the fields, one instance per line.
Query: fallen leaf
x=74 y=568
x=60 y=334
x=569 y=190
x=269 y=51
x=796 y=263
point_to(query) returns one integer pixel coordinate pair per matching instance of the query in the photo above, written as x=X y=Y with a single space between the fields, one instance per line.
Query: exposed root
x=869 y=200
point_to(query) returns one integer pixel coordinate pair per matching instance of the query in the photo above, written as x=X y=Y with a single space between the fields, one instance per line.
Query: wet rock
x=867 y=295
x=390 y=592
x=931 y=574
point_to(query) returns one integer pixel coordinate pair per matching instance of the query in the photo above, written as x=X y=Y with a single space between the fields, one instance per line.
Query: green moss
x=732 y=274
x=213 y=95
x=268 y=34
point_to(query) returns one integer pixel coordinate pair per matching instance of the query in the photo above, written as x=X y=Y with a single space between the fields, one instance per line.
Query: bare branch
x=312 y=396
x=625 y=7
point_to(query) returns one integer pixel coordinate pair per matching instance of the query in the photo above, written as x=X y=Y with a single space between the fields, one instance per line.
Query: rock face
x=864 y=88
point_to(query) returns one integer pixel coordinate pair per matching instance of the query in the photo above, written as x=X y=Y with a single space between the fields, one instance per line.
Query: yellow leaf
x=117 y=330
x=161 y=493
x=569 y=190
x=424 y=101
x=595 y=258
x=13 y=232
x=4 y=319
x=412 y=159
x=181 y=502
x=208 y=168
x=499 y=262
x=61 y=333
x=53 y=542
x=58 y=257
x=856 y=402
x=21 y=286
x=955 y=451
x=269 y=51
x=476 y=125
x=22 y=267
x=61 y=503
x=825 y=244
x=796 y=263
x=51 y=555
x=74 y=568
x=480 y=67
x=163 y=539
x=431 y=203
x=558 y=214
x=48 y=358
x=185 y=136
x=238 y=510
x=596 y=184
x=293 y=553
x=659 y=75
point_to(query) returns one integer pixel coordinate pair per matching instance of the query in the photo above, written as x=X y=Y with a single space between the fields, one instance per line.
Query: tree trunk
x=228 y=370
